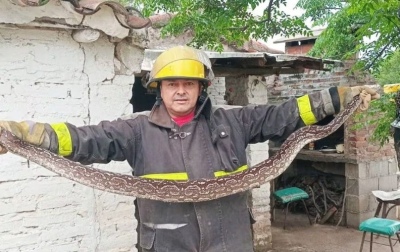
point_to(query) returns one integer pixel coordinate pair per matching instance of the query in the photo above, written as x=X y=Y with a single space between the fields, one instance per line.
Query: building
x=299 y=44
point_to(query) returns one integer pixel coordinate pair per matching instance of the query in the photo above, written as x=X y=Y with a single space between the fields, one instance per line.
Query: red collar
x=181 y=120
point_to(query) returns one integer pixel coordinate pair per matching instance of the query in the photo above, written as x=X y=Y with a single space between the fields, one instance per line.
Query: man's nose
x=181 y=89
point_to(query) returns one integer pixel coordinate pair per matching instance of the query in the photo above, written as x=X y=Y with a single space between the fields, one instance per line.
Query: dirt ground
x=299 y=236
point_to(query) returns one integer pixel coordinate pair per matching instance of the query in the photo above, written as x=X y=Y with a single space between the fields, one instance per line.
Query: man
x=184 y=137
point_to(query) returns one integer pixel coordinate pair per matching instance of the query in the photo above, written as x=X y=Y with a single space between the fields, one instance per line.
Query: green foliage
x=320 y=12
x=383 y=111
x=338 y=41
x=363 y=27
x=381 y=114
x=213 y=21
x=389 y=70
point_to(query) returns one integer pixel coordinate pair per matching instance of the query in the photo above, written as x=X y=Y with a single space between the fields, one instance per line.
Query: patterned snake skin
x=179 y=191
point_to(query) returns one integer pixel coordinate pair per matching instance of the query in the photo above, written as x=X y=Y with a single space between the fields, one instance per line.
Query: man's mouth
x=181 y=100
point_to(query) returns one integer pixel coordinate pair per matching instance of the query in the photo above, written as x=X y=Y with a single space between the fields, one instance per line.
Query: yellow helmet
x=181 y=62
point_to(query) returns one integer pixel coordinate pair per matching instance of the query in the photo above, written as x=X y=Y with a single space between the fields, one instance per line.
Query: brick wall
x=358 y=144
x=282 y=87
x=298 y=50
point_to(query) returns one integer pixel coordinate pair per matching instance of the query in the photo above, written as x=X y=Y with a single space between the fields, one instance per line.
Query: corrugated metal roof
x=259 y=63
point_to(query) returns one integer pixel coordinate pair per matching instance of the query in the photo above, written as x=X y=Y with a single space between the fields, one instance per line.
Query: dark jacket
x=215 y=140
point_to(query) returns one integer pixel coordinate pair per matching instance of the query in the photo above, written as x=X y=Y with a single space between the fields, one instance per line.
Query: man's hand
x=366 y=94
x=28 y=131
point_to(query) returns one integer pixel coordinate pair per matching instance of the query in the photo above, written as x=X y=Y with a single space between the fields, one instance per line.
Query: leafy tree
x=388 y=73
x=338 y=39
x=214 y=21
x=389 y=70
x=368 y=28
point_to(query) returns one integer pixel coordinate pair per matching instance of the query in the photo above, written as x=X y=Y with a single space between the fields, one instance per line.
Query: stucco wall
x=46 y=76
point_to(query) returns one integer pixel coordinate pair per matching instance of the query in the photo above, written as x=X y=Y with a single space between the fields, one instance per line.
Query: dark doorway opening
x=141 y=100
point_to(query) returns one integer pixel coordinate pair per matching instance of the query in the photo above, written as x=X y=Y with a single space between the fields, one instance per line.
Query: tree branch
x=376 y=57
x=269 y=10
x=268 y=19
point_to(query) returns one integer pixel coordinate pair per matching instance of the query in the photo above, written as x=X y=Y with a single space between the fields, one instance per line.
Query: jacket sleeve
x=109 y=140
x=270 y=122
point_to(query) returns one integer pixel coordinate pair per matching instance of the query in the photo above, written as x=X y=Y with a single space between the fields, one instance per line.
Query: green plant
x=380 y=115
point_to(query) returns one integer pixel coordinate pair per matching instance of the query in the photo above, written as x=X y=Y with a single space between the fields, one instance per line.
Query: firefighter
x=185 y=137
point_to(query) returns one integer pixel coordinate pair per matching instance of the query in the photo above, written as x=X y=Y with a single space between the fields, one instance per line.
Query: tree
x=368 y=28
x=388 y=73
x=214 y=21
x=389 y=70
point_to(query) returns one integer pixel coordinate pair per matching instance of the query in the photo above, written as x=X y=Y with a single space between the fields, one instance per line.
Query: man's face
x=180 y=96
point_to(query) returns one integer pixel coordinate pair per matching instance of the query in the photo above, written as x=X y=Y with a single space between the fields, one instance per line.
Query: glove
x=28 y=131
x=366 y=93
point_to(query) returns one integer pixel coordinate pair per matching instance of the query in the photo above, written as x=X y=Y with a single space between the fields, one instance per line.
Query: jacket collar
x=159 y=114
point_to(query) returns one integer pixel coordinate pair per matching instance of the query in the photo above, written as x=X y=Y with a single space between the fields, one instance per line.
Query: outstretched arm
x=88 y=144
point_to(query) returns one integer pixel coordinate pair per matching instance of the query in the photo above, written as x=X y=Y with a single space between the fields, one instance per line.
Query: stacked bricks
x=375 y=168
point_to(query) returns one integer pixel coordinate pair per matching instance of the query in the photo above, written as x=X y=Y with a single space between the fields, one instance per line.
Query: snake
x=197 y=190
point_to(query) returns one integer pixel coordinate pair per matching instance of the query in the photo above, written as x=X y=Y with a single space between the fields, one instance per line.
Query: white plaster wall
x=104 y=20
x=48 y=77
x=216 y=91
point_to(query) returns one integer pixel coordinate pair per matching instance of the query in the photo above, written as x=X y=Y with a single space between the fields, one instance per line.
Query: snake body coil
x=178 y=191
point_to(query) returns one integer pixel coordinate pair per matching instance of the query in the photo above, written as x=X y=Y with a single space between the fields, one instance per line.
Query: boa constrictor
x=179 y=191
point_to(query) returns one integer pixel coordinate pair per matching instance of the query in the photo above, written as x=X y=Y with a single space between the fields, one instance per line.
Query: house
x=299 y=44
x=82 y=62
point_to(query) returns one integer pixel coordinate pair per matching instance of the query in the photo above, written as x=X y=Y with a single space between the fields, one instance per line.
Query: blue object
x=289 y=195
x=380 y=226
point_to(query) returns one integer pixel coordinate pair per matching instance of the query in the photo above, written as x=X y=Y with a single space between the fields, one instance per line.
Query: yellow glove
x=366 y=93
x=28 y=131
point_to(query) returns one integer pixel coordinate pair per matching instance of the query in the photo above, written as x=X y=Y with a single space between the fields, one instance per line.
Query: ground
x=299 y=236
